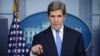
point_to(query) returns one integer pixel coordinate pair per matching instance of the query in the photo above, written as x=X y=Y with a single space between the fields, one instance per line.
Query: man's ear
x=64 y=16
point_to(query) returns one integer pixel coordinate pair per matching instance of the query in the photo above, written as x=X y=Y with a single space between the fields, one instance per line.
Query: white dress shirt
x=61 y=33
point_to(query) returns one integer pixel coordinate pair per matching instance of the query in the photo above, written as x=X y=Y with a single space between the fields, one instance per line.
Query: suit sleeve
x=81 y=47
x=34 y=42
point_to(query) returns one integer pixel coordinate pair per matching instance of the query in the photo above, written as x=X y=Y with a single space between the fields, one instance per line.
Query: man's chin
x=56 y=28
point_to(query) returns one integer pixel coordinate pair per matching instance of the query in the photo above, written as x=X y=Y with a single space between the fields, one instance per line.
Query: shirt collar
x=61 y=29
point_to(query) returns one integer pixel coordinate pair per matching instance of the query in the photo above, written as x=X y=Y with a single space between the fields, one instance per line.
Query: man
x=47 y=43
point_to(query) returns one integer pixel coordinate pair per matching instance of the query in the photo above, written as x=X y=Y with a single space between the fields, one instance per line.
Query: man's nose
x=55 y=19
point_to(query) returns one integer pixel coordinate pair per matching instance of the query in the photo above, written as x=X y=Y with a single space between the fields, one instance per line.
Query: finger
x=41 y=48
x=36 y=49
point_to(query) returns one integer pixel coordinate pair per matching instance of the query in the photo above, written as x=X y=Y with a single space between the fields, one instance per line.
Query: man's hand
x=37 y=49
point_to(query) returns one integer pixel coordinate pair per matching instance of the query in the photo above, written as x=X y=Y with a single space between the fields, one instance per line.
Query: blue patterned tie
x=58 y=42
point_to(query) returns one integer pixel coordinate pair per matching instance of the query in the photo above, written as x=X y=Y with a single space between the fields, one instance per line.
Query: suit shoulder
x=41 y=33
x=70 y=30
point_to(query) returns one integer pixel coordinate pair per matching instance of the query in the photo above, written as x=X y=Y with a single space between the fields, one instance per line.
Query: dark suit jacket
x=72 y=44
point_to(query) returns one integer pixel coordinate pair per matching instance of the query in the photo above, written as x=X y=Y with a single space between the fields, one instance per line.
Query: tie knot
x=57 y=31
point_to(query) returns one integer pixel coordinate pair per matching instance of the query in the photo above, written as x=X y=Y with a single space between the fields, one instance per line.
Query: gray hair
x=56 y=5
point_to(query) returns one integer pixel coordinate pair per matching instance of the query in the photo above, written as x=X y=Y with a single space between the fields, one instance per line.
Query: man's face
x=56 y=19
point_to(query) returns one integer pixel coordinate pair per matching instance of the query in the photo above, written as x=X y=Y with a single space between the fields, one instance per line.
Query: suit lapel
x=51 y=42
x=65 y=42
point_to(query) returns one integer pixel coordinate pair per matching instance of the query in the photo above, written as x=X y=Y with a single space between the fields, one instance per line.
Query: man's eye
x=59 y=16
x=52 y=16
